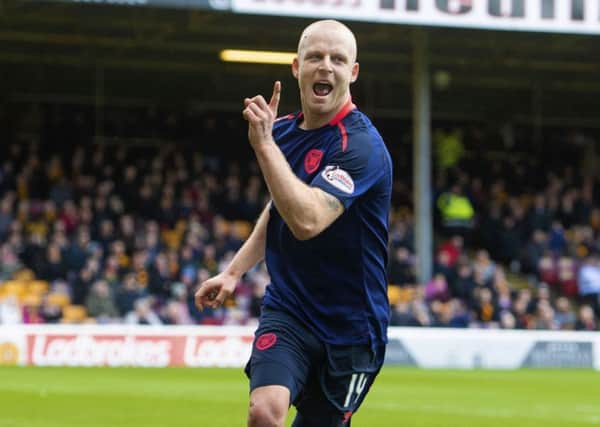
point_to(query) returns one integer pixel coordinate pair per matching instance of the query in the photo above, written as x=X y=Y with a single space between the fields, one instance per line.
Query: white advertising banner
x=213 y=346
x=554 y=16
x=493 y=349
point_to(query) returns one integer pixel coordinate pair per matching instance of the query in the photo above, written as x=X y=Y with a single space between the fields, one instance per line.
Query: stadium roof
x=70 y=53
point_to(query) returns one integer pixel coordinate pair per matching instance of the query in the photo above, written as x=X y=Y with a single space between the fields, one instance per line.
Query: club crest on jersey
x=312 y=160
x=266 y=341
x=339 y=178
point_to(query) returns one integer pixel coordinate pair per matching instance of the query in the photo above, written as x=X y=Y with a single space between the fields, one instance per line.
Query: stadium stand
x=124 y=233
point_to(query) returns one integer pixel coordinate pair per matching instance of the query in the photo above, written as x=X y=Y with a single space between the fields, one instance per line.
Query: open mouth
x=322 y=89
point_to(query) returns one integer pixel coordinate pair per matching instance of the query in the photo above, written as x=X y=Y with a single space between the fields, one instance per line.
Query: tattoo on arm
x=332 y=202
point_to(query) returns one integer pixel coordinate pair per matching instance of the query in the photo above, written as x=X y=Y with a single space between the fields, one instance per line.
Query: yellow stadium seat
x=241 y=229
x=398 y=294
x=31 y=299
x=74 y=314
x=56 y=298
x=14 y=287
x=24 y=275
x=394 y=293
x=220 y=226
x=38 y=287
x=172 y=238
x=181 y=226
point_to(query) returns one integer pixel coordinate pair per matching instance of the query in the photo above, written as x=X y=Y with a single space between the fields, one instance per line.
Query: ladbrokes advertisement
x=228 y=346
x=142 y=347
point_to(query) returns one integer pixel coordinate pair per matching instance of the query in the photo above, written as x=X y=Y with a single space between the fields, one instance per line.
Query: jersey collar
x=346 y=109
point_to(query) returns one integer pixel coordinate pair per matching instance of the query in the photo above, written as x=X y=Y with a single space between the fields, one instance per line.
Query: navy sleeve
x=348 y=174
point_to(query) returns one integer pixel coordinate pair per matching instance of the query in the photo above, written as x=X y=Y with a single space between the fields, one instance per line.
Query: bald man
x=323 y=328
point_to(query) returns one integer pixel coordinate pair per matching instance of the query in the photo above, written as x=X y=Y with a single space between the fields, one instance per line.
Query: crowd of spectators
x=129 y=232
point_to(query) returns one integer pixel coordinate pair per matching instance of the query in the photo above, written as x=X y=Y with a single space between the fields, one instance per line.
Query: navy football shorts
x=327 y=383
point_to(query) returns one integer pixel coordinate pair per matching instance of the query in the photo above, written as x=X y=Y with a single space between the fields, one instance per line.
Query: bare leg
x=269 y=406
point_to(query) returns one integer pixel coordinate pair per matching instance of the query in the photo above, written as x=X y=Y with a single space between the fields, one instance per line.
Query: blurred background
x=126 y=178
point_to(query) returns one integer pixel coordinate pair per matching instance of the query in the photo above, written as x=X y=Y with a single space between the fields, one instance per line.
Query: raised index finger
x=274 y=102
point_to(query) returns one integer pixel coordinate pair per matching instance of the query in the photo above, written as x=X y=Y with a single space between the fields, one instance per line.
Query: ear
x=295 y=67
x=354 y=74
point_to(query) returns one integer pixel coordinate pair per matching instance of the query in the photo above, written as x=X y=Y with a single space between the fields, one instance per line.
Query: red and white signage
x=213 y=346
x=558 y=16
x=129 y=346
x=100 y=350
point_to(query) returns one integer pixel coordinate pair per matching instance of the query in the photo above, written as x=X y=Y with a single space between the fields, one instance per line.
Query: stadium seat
x=14 y=287
x=38 y=287
x=394 y=293
x=24 y=275
x=241 y=229
x=31 y=299
x=398 y=294
x=181 y=226
x=172 y=238
x=60 y=299
x=74 y=314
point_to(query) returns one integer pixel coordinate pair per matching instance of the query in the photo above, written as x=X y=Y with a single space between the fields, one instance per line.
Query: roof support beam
x=422 y=155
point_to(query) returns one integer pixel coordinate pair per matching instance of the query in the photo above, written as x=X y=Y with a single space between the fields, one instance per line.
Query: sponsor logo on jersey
x=339 y=178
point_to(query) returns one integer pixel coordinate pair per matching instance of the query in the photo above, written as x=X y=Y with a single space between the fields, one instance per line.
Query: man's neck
x=315 y=121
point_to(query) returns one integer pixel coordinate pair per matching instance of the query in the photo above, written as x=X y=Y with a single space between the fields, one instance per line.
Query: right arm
x=216 y=290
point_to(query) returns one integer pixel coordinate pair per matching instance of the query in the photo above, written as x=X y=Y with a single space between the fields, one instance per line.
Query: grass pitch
x=105 y=397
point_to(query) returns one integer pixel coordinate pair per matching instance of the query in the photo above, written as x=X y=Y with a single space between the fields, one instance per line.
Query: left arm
x=306 y=210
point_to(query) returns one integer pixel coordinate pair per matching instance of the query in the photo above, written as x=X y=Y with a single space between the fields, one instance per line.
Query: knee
x=266 y=414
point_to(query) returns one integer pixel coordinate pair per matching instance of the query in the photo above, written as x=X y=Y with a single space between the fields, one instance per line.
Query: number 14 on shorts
x=356 y=387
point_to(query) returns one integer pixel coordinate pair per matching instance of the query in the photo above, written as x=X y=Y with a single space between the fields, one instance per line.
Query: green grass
x=95 y=397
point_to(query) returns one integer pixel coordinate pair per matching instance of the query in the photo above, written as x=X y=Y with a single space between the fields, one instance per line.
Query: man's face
x=325 y=68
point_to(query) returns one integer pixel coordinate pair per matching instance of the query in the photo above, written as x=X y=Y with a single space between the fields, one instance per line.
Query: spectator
x=454 y=248
x=589 y=281
x=586 y=320
x=100 y=302
x=402 y=315
x=10 y=311
x=484 y=267
x=176 y=310
x=142 y=314
x=565 y=317
x=456 y=211
x=49 y=311
x=539 y=217
x=53 y=267
x=81 y=221
x=127 y=293
x=84 y=280
x=464 y=285
x=507 y=320
x=437 y=289
x=486 y=309
x=9 y=262
x=401 y=267
x=557 y=240
x=544 y=318
x=6 y=214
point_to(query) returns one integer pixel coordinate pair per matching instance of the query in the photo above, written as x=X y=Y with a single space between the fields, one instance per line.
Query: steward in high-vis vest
x=456 y=209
